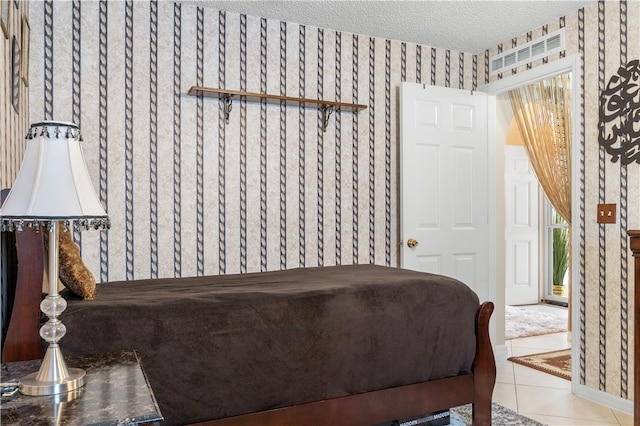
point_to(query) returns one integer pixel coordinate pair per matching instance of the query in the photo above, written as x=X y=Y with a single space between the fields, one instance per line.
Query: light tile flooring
x=544 y=397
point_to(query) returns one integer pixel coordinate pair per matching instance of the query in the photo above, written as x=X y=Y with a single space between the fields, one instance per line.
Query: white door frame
x=568 y=64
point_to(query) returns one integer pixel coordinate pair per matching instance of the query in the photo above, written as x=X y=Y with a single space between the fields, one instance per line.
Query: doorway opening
x=536 y=235
x=536 y=238
x=570 y=64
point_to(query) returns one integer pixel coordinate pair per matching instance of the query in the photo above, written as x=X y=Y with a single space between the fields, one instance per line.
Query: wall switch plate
x=606 y=213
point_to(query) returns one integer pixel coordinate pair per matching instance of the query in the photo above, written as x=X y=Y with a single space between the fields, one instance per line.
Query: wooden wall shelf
x=327 y=107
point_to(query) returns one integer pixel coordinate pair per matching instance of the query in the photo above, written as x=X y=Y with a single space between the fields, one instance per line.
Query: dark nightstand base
x=116 y=392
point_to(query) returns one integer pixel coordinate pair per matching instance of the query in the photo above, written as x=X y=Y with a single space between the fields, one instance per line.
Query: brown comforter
x=220 y=346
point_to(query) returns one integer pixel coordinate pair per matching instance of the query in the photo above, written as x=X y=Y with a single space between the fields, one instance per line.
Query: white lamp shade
x=53 y=182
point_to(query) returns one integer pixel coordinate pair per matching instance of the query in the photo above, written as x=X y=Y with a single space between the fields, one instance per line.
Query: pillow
x=71 y=269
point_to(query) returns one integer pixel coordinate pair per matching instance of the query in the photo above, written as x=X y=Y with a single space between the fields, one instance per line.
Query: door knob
x=411 y=243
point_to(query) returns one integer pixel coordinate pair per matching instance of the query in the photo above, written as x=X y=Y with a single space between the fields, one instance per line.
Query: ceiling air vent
x=529 y=52
x=554 y=42
x=497 y=63
x=538 y=48
x=510 y=59
x=524 y=54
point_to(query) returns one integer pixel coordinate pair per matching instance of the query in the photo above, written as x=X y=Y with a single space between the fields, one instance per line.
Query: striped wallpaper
x=605 y=273
x=14 y=116
x=606 y=35
x=189 y=194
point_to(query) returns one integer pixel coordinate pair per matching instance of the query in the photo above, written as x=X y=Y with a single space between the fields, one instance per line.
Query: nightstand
x=117 y=393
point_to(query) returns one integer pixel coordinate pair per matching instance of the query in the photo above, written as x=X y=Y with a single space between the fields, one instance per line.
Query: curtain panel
x=543 y=114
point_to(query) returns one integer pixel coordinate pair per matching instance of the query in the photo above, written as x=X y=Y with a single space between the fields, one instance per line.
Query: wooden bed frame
x=22 y=342
x=403 y=402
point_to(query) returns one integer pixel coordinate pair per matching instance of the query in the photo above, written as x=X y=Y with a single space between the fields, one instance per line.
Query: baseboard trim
x=500 y=353
x=603 y=398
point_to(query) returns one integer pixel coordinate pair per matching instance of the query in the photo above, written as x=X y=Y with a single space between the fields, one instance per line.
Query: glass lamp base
x=30 y=385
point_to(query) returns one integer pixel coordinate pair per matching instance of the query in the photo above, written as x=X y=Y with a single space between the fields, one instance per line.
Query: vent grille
x=554 y=42
x=538 y=49
x=522 y=55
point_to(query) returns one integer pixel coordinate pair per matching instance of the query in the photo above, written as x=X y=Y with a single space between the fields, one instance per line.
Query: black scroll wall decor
x=619 y=125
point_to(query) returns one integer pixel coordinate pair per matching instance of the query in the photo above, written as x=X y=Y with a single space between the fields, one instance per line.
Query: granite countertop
x=116 y=393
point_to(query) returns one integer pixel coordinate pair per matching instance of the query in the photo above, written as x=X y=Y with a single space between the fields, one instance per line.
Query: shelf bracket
x=227 y=107
x=326 y=113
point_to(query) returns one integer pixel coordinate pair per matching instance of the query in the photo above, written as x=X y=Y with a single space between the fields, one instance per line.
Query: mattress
x=220 y=346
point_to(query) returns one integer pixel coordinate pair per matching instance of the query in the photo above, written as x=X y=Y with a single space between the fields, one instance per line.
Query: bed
x=347 y=345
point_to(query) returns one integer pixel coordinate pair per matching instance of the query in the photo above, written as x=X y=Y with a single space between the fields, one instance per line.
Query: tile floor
x=544 y=397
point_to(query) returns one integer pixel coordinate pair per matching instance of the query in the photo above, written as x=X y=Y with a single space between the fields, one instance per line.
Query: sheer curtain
x=543 y=113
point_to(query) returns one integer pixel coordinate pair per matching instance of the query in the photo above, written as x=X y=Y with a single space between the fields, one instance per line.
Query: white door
x=444 y=186
x=521 y=228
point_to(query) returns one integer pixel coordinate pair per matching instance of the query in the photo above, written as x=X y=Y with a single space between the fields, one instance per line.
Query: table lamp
x=52 y=190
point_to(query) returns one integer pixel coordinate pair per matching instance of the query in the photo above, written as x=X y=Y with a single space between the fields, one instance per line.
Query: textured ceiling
x=469 y=26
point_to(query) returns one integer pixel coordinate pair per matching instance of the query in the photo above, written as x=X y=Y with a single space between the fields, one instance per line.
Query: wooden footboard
x=484 y=368
x=404 y=402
